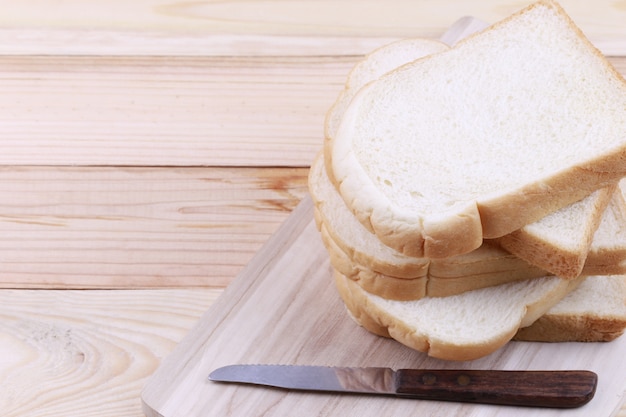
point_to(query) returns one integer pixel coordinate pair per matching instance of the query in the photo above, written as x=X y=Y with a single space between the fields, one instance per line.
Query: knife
x=555 y=389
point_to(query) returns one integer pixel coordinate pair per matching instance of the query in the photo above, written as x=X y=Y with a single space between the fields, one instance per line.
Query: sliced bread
x=461 y=327
x=408 y=289
x=457 y=275
x=594 y=312
x=403 y=289
x=570 y=230
x=385 y=286
x=607 y=255
x=562 y=254
x=361 y=245
x=477 y=141
x=371 y=67
x=358 y=254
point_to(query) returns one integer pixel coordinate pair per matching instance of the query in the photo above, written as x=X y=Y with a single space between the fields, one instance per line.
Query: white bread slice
x=594 y=312
x=461 y=327
x=385 y=286
x=563 y=253
x=453 y=276
x=407 y=289
x=570 y=230
x=358 y=254
x=361 y=245
x=371 y=67
x=607 y=255
x=477 y=141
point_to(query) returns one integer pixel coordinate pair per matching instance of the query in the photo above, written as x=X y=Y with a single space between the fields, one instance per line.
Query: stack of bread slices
x=473 y=194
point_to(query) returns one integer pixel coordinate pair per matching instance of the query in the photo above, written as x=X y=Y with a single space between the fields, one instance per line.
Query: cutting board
x=283 y=308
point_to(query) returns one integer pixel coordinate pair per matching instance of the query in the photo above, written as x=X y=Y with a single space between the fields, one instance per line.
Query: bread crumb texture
x=518 y=104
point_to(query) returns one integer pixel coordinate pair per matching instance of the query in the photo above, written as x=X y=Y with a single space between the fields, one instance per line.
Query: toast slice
x=461 y=327
x=594 y=312
x=463 y=144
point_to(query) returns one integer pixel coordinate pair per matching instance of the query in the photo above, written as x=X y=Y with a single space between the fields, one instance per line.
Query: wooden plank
x=155 y=27
x=79 y=353
x=283 y=308
x=165 y=111
x=263 y=111
x=91 y=227
x=88 y=353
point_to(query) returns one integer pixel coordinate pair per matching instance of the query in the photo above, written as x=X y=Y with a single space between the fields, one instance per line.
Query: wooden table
x=148 y=149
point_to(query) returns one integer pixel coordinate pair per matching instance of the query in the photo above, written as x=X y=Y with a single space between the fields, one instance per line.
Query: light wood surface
x=284 y=309
x=79 y=353
x=165 y=111
x=254 y=27
x=152 y=144
x=138 y=227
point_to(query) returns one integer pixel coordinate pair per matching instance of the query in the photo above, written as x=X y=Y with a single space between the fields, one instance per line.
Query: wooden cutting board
x=283 y=308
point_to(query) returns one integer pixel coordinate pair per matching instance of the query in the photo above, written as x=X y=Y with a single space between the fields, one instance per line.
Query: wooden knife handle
x=555 y=389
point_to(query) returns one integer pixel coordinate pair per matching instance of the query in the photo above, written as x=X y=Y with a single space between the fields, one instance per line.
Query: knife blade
x=554 y=389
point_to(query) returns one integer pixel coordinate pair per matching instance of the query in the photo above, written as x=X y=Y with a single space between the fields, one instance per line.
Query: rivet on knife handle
x=556 y=389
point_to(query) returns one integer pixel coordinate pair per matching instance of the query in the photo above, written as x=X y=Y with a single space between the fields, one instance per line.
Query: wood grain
x=92 y=88
x=88 y=353
x=551 y=389
x=283 y=308
x=252 y=27
x=115 y=111
x=177 y=111
x=88 y=227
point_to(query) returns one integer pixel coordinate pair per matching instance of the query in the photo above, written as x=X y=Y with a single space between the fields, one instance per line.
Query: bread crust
x=386 y=262
x=436 y=237
x=408 y=278
x=406 y=289
x=595 y=312
x=558 y=329
x=462 y=229
x=383 y=285
x=373 y=65
x=379 y=321
x=567 y=262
